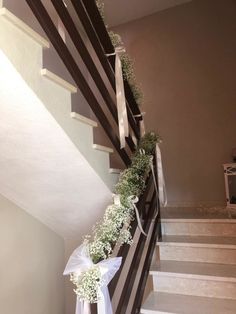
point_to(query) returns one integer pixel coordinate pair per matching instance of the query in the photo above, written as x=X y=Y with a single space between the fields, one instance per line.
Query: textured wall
x=31 y=264
x=185 y=61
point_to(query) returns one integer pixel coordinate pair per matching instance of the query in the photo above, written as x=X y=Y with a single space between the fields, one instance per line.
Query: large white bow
x=79 y=262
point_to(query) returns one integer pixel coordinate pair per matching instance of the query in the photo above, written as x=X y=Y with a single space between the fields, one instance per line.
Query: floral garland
x=126 y=61
x=115 y=226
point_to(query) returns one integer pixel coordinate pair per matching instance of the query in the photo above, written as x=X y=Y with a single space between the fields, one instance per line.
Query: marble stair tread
x=198 y=213
x=198 y=241
x=199 y=220
x=168 y=303
x=198 y=270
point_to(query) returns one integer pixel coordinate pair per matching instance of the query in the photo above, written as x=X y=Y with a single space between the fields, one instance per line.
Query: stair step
x=198 y=249
x=220 y=272
x=83 y=119
x=201 y=227
x=167 y=303
x=24 y=27
x=219 y=212
x=114 y=170
x=201 y=279
x=103 y=148
x=199 y=241
x=58 y=80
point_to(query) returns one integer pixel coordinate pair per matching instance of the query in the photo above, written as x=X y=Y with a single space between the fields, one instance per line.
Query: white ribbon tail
x=161 y=179
x=120 y=97
x=138 y=220
x=156 y=189
x=121 y=101
x=82 y=307
x=104 y=304
x=108 y=270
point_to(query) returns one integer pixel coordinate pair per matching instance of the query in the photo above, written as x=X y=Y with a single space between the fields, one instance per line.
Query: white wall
x=185 y=62
x=31 y=264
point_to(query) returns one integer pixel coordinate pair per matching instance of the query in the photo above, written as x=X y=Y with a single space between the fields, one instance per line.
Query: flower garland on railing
x=91 y=266
x=126 y=60
x=115 y=226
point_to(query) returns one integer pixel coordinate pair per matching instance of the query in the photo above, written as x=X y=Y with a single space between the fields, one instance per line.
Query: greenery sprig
x=126 y=61
x=115 y=225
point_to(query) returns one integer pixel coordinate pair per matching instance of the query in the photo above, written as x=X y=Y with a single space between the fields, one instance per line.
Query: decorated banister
x=92 y=267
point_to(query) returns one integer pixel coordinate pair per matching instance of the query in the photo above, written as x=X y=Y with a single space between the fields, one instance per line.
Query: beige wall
x=31 y=264
x=185 y=61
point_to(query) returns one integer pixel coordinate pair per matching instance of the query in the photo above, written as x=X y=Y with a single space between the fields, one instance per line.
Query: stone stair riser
x=195 y=286
x=198 y=254
x=199 y=229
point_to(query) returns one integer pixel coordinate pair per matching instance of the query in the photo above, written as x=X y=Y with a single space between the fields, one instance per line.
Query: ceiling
x=123 y=11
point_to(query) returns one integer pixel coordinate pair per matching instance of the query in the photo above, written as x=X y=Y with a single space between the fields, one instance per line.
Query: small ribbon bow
x=133 y=200
x=141 y=123
x=79 y=262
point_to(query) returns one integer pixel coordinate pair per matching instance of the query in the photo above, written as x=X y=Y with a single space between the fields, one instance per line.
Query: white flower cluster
x=87 y=284
x=115 y=226
x=110 y=231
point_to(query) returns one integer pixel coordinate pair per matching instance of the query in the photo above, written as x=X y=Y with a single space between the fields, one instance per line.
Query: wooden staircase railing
x=85 y=12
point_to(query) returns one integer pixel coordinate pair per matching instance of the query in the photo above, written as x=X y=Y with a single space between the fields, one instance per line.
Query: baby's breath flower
x=87 y=284
x=115 y=226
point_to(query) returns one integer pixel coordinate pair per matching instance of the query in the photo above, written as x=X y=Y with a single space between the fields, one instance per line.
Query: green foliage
x=148 y=142
x=115 y=39
x=131 y=183
x=115 y=226
x=100 y=5
x=137 y=92
x=127 y=68
x=87 y=284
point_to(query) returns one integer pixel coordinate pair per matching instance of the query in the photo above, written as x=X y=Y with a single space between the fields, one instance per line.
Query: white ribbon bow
x=79 y=262
x=141 y=123
x=120 y=97
x=133 y=200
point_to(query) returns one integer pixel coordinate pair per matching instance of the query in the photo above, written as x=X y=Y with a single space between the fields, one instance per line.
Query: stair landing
x=195 y=270
x=165 y=303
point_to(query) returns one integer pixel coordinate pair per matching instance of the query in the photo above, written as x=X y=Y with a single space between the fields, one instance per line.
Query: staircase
x=48 y=155
x=195 y=272
x=51 y=166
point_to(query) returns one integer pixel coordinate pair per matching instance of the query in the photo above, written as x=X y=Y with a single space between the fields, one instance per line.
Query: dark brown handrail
x=129 y=282
x=146 y=266
x=124 y=249
x=48 y=26
x=88 y=61
x=106 y=64
x=105 y=40
x=100 y=40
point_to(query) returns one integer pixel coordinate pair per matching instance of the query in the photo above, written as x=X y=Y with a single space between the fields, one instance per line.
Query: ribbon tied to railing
x=133 y=200
x=81 y=261
x=161 y=188
x=120 y=97
x=161 y=178
x=141 y=123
